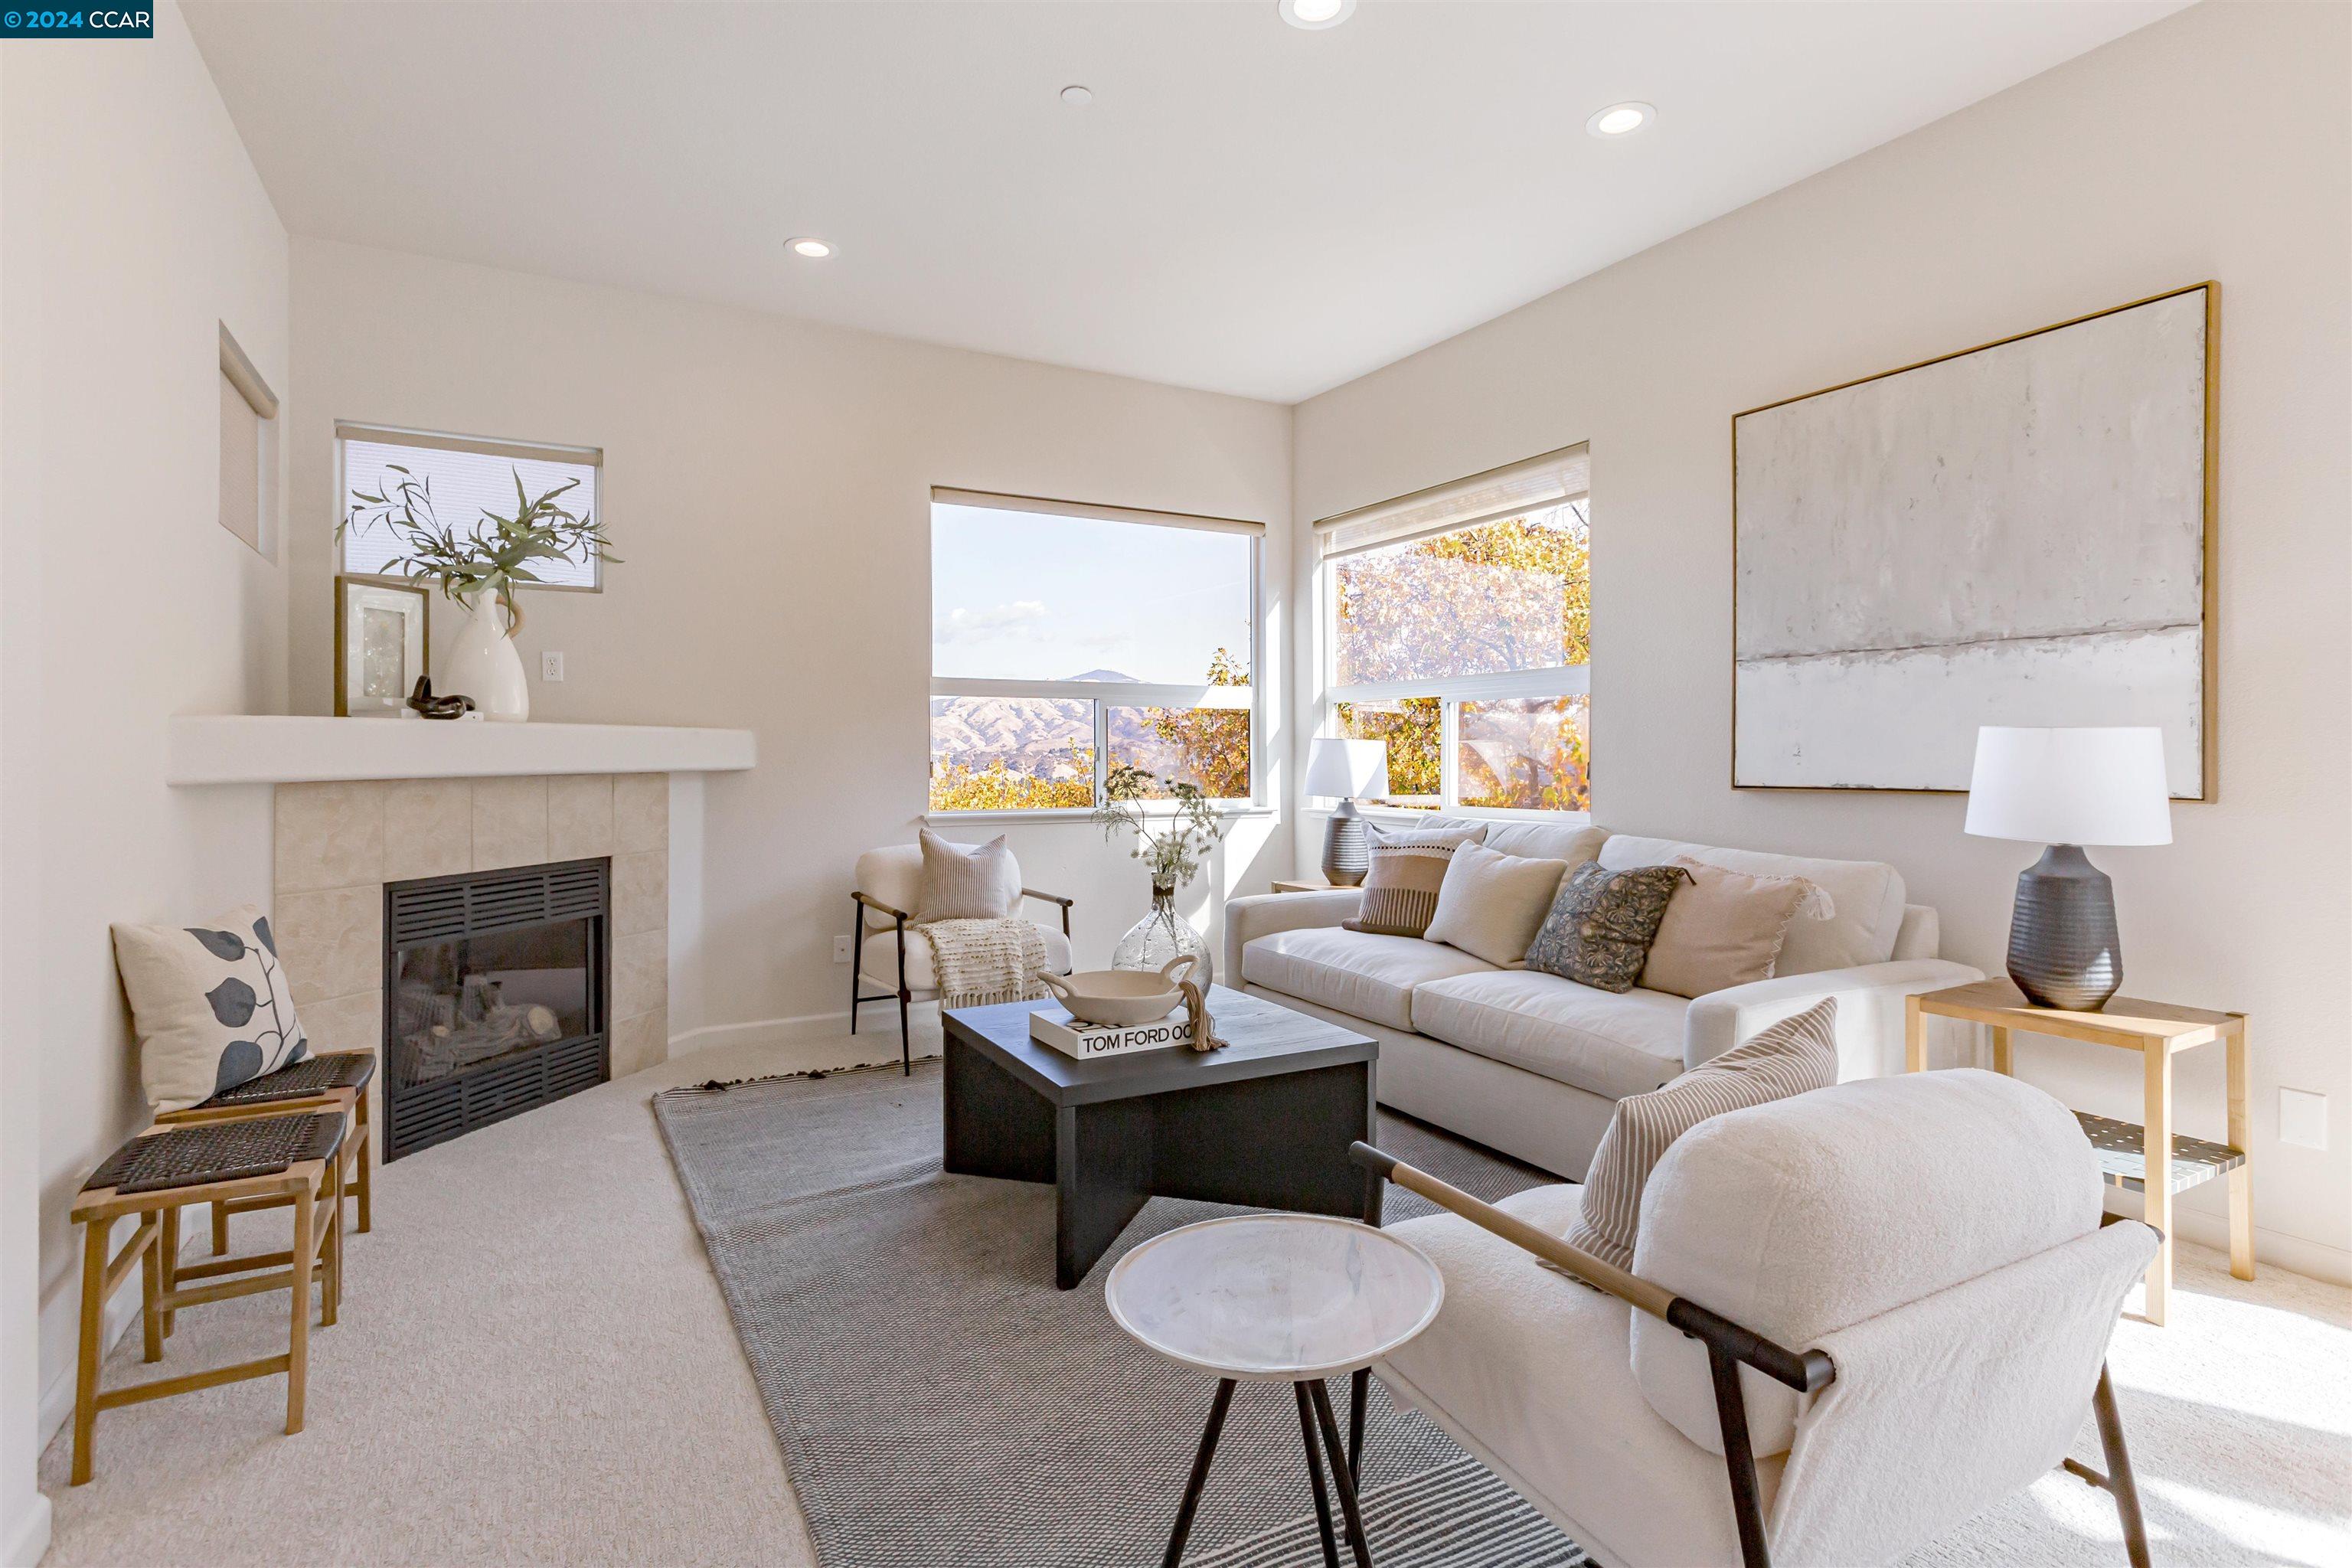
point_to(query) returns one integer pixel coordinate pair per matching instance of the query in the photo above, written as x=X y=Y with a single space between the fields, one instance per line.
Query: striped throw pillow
x=1792 y=1057
x=1400 y=886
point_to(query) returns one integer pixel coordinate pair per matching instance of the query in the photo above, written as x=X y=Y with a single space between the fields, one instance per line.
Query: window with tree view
x=1066 y=641
x=1457 y=624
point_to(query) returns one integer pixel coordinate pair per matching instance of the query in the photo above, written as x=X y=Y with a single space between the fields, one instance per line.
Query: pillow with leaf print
x=212 y=1006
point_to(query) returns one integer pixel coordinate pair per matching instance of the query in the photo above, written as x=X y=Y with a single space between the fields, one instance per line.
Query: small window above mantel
x=467 y=476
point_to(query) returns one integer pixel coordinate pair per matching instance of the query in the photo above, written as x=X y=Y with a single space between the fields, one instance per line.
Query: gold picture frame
x=375 y=671
x=2209 y=745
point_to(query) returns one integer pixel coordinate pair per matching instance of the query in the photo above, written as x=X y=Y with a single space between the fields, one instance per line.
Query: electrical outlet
x=2303 y=1118
x=841 y=950
x=550 y=666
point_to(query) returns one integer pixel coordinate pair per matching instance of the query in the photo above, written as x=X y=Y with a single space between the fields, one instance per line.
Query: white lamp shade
x=2071 y=787
x=1348 y=769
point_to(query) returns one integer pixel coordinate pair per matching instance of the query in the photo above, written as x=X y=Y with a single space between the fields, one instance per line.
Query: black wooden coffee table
x=1265 y=1122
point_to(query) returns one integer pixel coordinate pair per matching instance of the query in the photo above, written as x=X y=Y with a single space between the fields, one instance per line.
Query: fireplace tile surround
x=336 y=844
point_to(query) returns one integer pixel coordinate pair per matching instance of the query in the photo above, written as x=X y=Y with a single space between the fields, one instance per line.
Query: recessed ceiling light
x=1621 y=119
x=1315 y=13
x=809 y=245
x=1078 y=97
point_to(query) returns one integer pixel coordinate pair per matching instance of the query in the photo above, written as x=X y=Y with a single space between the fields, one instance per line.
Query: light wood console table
x=2127 y=1153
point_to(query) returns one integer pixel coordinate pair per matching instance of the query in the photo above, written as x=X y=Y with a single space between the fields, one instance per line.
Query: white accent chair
x=888 y=888
x=1854 y=1318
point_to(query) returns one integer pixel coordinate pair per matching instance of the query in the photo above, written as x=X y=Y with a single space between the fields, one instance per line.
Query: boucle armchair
x=1854 y=1318
x=889 y=885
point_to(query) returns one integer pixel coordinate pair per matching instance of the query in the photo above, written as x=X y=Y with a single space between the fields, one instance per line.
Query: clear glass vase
x=1162 y=935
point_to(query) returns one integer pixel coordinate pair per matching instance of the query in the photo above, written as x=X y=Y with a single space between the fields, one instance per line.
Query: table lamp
x=2067 y=788
x=1347 y=769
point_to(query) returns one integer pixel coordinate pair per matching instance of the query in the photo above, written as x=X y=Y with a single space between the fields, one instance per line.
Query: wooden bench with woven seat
x=293 y=1158
x=330 y=1080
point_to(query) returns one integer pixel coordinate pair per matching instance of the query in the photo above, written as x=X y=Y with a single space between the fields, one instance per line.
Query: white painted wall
x=767 y=482
x=132 y=224
x=2123 y=174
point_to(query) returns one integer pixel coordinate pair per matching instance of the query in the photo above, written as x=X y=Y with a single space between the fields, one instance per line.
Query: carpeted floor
x=535 y=1365
x=904 y=1332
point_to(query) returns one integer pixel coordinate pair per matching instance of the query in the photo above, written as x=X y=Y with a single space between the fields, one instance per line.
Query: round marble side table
x=1278 y=1298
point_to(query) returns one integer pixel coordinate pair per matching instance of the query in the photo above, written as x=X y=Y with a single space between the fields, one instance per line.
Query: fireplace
x=495 y=992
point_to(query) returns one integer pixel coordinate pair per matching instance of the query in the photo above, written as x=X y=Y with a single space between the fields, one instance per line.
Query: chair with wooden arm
x=1855 y=1318
x=881 y=955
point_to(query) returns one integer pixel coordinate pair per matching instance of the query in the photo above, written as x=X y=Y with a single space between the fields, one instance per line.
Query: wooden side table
x=1288 y=885
x=314 y=1188
x=2127 y=1152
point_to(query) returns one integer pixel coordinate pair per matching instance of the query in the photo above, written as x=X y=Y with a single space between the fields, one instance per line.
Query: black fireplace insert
x=496 y=994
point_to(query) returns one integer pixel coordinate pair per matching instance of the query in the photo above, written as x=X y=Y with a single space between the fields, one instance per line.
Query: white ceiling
x=1244 y=207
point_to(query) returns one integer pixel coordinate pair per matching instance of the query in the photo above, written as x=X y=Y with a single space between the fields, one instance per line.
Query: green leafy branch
x=491 y=556
x=1173 y=854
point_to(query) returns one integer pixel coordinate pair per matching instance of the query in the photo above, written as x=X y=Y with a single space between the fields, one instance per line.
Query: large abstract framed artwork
x=2020 y=534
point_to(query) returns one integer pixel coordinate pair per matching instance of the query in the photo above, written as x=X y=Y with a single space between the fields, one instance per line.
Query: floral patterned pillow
x=1601 y=924
x=212 y=1006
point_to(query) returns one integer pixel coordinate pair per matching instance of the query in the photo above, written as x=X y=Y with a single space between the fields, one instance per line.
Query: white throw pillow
x=1491 y=904
x=212 y=1006
x=967 y=881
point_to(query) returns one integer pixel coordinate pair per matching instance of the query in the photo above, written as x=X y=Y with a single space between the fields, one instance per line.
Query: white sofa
x=1532 y=1064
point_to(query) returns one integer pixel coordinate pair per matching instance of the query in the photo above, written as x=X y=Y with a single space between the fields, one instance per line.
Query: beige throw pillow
x=211 y=1005
x=1791 y=1057
x=1722 y=928
x=967 y=881
x=1491 y=904
x=1407 y=869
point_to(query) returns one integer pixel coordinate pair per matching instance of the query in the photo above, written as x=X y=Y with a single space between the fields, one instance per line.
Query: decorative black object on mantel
x=2067 y=788
x=450 y=707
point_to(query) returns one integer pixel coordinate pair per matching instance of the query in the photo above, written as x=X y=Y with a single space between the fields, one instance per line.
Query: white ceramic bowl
x=1119 y=996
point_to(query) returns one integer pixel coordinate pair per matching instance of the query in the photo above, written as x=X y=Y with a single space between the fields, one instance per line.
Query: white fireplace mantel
x=239 y=749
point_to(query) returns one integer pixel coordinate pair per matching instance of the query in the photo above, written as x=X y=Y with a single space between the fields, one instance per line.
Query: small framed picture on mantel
x=384 y=632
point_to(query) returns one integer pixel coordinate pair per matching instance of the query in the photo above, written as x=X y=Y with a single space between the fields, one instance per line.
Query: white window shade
x=1508 y=491
x=467 y=476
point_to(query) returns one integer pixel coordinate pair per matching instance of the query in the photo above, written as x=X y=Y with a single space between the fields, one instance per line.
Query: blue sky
x=1025 y=596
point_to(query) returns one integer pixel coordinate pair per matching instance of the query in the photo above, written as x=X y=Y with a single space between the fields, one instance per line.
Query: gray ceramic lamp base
x=2063 y=949
x=1347 y=853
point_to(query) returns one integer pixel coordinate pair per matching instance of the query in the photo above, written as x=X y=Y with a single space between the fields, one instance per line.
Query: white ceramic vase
x=486 y=667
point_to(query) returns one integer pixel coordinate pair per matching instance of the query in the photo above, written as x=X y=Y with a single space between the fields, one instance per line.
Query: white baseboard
x=2272 y=1248
x=26 y=1538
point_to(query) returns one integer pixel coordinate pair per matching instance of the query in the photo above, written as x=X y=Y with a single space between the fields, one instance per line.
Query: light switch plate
x=550 y=666
x=841 y=950
x=2303 y=1118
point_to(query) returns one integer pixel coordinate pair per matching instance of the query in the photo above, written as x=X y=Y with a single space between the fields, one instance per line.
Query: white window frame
x=348 y=430
x=1105 y=695
x=1474 y=497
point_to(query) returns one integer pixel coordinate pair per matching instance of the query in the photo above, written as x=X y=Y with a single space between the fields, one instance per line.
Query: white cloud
x=1013 y=620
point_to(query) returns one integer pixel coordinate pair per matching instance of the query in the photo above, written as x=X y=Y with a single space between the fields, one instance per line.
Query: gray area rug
x=940 y=1404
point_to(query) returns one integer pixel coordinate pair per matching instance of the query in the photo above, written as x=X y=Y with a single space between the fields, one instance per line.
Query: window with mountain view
x=1069 y=640
x=1457 y=626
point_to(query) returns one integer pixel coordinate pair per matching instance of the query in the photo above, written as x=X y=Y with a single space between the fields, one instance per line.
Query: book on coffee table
x=1054 y=1026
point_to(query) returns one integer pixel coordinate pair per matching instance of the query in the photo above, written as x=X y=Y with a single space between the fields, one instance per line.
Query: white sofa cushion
x=1534 y=840
x=1800 y=1217
x=1868 y=896
x=1610 y=1044
x=879 y=958
x=1367 y=977
x=1490 y=903
x=1527 y=1369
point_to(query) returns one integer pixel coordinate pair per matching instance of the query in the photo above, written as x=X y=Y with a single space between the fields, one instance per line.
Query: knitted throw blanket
x=981 y=962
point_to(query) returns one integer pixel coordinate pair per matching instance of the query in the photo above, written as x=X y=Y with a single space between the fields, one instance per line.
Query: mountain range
x=1034 y=735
